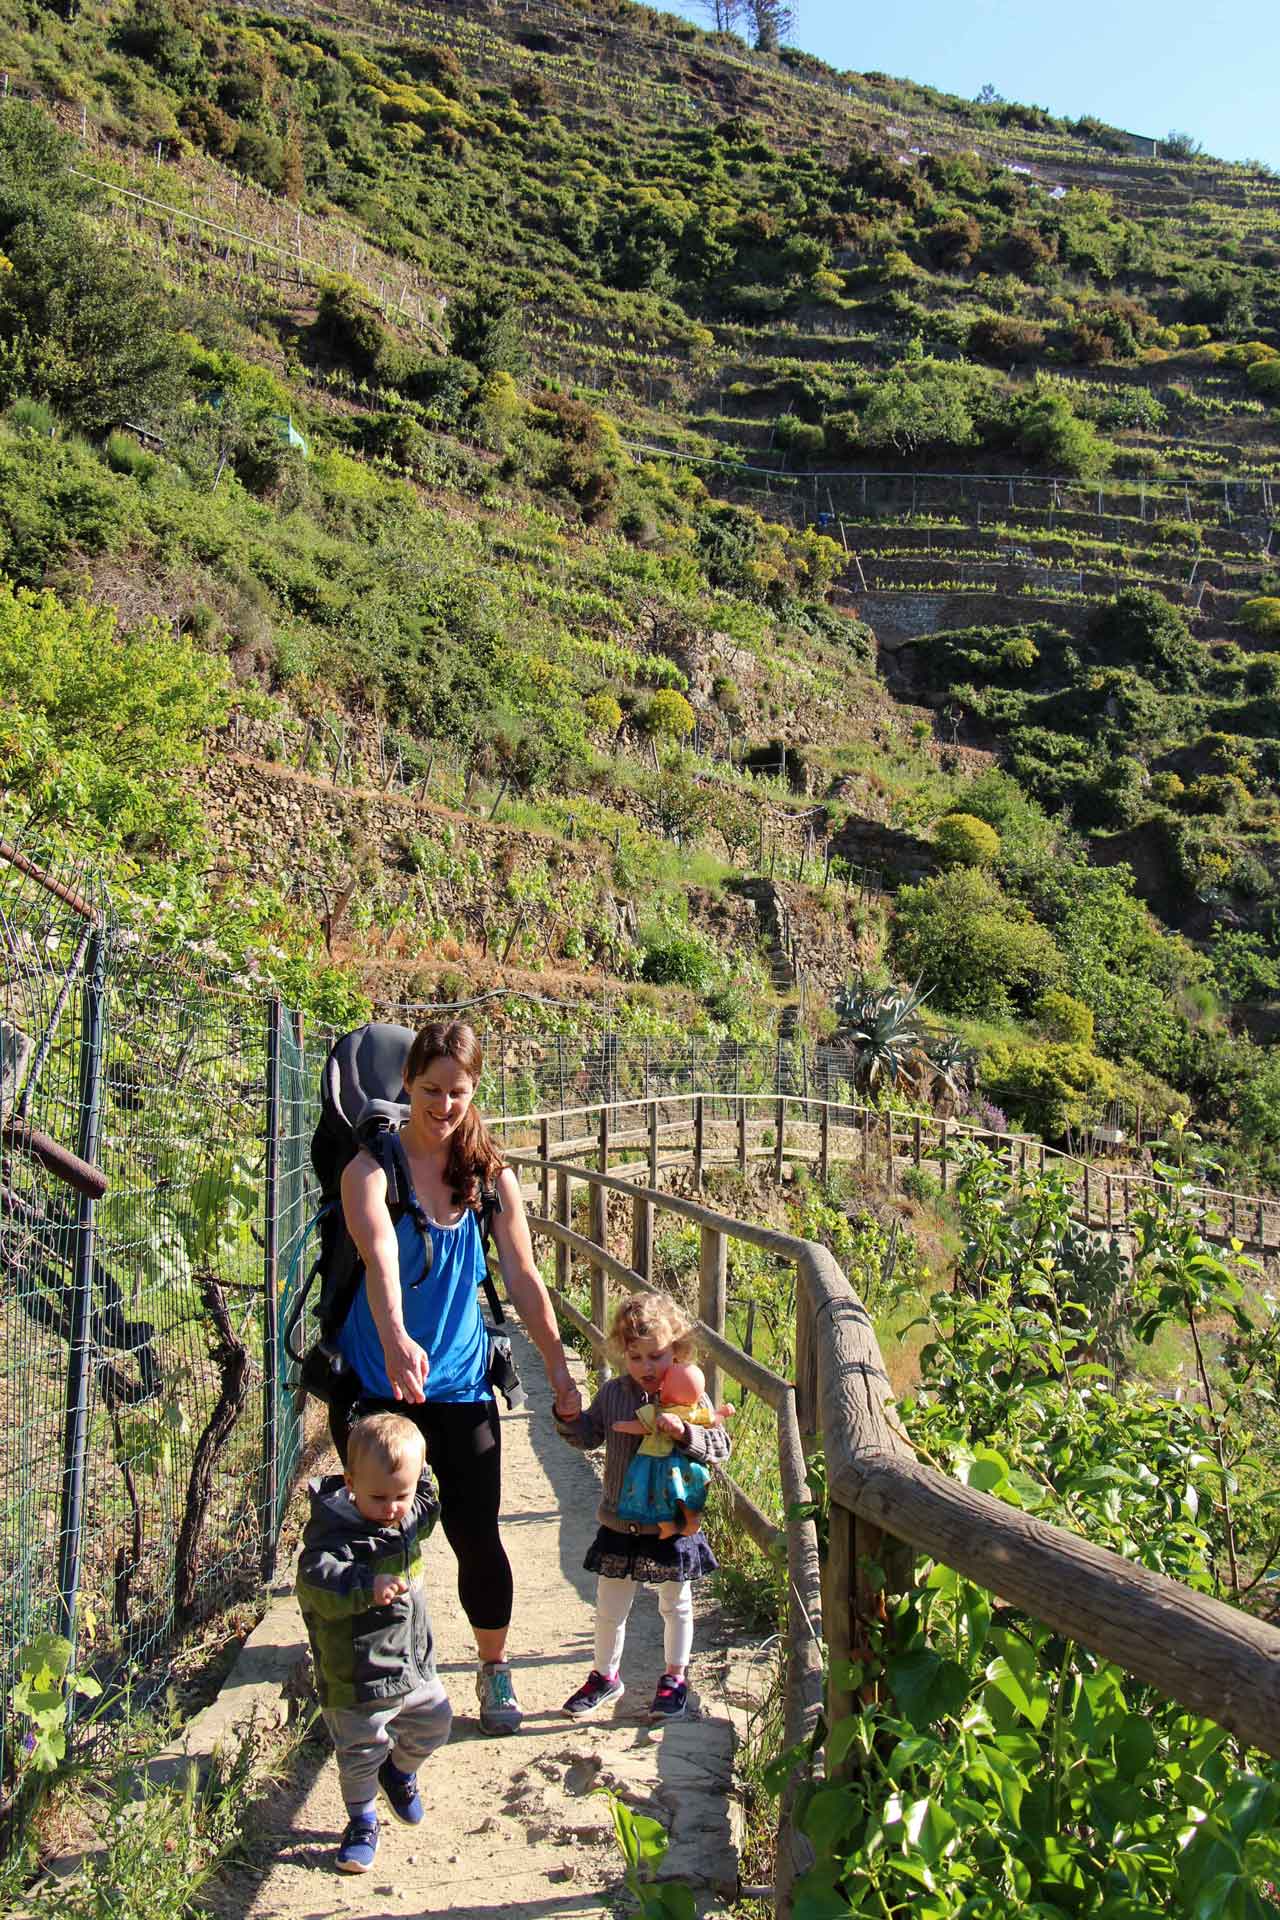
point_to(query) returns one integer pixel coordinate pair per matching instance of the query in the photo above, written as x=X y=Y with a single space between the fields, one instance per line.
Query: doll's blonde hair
x=651 y=1316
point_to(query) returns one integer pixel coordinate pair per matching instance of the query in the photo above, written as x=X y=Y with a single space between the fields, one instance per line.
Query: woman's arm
x=364 y=1206
x=528 y=1295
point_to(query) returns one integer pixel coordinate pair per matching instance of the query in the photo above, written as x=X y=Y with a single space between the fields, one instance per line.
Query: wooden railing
x=821 y=1133
x=886 y=1506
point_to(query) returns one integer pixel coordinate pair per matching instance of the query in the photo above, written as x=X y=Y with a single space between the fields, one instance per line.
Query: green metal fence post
x=271 y=1300
x=75 y=1427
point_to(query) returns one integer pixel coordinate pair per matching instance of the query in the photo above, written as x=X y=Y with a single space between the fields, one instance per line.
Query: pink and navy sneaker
x=671 y=1699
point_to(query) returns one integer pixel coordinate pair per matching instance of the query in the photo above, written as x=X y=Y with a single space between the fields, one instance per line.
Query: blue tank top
x=441 y=1313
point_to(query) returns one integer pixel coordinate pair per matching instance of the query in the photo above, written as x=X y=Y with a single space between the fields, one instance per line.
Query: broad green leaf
x=829 y=1816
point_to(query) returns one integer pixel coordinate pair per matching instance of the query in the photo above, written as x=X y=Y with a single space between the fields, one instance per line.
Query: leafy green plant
x=43 y=1688
x=643 y=1843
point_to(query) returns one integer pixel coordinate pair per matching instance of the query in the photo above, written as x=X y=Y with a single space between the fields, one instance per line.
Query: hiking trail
x=515 y=1824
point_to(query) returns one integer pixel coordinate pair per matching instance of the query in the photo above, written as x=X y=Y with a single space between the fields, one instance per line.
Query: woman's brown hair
x=474 y=1161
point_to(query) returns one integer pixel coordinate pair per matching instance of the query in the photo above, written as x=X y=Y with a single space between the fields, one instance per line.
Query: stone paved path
x=514 y=1825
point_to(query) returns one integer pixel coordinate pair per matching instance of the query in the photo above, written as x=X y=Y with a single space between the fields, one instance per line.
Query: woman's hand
x=407 y=1365
x=669 y=1424
x=567 y=1400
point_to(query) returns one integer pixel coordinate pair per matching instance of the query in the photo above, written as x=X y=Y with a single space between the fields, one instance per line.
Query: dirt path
x=514 y=1825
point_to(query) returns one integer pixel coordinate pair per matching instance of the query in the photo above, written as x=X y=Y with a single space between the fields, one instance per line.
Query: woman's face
x=439 y=1098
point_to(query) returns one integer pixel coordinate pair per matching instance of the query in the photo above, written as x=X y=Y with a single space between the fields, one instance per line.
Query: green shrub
x=1138 y=627
x=1060 y=1016
x=1049 y=1088
x=603 y=714
x=125 y=455
x=1218 y=793
x=98 y=720
x=980 y=952
x=1262 y=616
x=33 y=416
x=1048 y=431
x=1264 y=377
x=1167 y=788
x=963 y=840
x=669 y=716
x=679 y=959
x=802 y=437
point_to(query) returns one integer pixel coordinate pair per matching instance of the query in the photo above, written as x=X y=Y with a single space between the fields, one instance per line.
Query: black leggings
x=464 y=1448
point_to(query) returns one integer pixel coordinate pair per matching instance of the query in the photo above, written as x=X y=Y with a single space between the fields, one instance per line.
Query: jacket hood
x=335 y=1515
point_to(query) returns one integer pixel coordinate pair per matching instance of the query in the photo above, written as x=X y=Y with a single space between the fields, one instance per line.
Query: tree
x=980 y=952
x=771 y=21
x=486 y=329
x=81 y=327
x=725 y=13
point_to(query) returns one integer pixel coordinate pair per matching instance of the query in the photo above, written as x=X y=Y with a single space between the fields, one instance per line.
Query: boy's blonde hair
x=385 y=1440
x=651 y=1316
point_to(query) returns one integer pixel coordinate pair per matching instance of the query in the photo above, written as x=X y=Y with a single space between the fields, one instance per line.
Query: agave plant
x=881 y=1027
x=952 y=1063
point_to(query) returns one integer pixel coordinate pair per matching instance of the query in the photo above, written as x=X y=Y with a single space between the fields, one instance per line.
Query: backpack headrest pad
x=365 y=1066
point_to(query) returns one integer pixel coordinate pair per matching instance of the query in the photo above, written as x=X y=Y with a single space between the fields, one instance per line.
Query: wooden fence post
x=853 y=1606
x=713 y=1252
x=742 y=1133
x=888 y=1147
x=780 y=1123
x=806 y=1362
x=600 y=1232
x=653 y=1143
x=824 y=1143
x=564 y=1214
x=642 y=1238
x=544 y=1154
x=866 y=1142
x=915 y=1140
x=699 y=1132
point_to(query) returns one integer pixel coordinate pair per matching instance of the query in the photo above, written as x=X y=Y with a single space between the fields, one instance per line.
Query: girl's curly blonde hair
x=651 y=1316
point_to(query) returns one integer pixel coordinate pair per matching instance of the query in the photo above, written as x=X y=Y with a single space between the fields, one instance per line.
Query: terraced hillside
x=621 y=493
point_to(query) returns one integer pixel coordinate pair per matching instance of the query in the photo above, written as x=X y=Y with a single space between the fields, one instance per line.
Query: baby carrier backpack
x=363 y=1105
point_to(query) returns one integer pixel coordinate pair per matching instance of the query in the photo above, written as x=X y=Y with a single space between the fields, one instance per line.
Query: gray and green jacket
x=365 y=1654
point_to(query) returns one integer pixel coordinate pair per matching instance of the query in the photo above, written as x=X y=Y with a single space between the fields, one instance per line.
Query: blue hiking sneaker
x=359 y=1844
x=401 y=1790
x=500 y=1711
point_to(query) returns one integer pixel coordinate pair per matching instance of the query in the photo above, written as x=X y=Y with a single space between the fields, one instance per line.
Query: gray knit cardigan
x=618 y=1400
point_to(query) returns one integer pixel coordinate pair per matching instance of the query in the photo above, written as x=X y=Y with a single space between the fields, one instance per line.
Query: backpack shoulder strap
x=490 y=1204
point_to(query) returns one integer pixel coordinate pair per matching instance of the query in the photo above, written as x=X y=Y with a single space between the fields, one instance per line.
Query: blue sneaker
x=359 y=1844
x=401 y=1790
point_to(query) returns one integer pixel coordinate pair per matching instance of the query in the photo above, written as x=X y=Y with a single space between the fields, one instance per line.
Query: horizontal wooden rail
x=1225 y=1664
x=1213 y=1658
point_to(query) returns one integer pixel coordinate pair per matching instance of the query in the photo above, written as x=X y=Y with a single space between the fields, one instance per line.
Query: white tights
x=613 y=1604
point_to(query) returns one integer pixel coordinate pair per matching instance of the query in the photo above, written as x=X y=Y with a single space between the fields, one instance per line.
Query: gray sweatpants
x=408 y=1730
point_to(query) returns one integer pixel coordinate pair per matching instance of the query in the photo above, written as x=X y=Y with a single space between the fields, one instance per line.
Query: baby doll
x=664 y=1487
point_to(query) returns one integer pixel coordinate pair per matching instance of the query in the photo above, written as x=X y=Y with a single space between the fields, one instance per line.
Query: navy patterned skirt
x=643 y=1556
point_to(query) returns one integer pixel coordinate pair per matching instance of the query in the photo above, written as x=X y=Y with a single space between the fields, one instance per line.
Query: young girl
x=650 y=1334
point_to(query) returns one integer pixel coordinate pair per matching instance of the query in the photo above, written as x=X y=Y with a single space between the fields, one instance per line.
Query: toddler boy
x=361 y=1595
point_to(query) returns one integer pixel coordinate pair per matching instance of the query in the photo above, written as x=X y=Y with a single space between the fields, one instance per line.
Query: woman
x=415 y=1338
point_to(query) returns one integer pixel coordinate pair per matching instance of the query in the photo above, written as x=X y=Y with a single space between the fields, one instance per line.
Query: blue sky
x=1148 y=65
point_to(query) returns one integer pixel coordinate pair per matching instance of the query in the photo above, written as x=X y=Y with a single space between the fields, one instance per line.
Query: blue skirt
x=657 y=1488
x=643 y=1556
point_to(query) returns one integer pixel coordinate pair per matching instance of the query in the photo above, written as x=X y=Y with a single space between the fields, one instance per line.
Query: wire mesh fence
x=130 y=1321
x=149 y=1431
